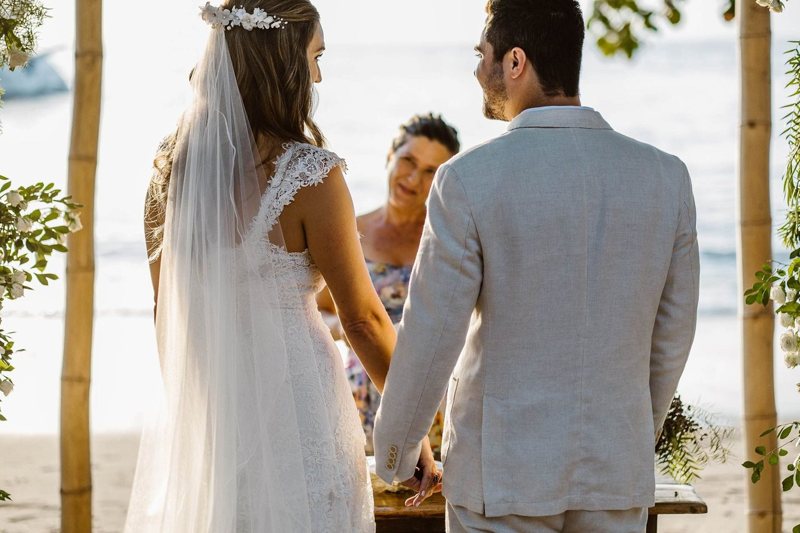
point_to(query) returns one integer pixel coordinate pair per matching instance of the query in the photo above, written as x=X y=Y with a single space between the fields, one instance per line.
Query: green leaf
x=785 y=432
x=788 y=483
x=783 y=453
x=767 y=432
x=761 y=450
x=748 y=464
x=773 y=459
x=796 y=529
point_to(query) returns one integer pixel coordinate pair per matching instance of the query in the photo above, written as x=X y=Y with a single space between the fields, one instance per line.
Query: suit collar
x=559 y=117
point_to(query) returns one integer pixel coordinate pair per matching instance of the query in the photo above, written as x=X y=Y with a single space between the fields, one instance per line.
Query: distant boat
x=37 y=78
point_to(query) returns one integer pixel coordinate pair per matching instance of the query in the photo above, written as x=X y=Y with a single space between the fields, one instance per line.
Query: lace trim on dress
x=301 y=165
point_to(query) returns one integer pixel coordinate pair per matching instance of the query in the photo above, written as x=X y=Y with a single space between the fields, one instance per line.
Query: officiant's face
x=489 y=73
x=411 y=170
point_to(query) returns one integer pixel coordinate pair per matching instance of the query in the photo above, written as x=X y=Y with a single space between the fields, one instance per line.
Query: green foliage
x=34 y=223
x=788 y=436
x=781 y=282
x=790 y=230
x=19 y=21
x=618 y=25
x=689 y=440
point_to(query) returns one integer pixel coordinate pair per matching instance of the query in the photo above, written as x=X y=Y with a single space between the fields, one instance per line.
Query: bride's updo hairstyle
x=272 y=71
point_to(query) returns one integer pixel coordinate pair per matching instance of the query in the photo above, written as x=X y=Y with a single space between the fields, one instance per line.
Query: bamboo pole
x=76 y=475
x=755 y=249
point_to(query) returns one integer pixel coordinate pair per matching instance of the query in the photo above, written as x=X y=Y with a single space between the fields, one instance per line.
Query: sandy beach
x=30 y=472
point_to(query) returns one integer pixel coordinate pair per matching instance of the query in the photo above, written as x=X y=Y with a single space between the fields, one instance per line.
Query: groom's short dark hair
x=550 y=32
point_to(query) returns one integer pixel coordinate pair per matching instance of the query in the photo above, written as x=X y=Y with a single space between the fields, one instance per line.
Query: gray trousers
x=462 y=520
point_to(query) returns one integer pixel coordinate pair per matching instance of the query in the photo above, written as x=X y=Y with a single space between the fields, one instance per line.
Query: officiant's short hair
x=551 y=33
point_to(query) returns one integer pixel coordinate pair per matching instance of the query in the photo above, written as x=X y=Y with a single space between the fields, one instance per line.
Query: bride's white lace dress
x=257 y=431
x=335 y=468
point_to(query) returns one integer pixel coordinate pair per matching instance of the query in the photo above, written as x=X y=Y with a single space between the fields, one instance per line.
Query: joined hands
x=427 y=479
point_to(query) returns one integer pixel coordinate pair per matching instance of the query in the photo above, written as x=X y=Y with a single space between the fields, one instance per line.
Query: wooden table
x=393 y=517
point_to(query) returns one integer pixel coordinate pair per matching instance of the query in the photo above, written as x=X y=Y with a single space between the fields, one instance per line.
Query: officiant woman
x=390 y=238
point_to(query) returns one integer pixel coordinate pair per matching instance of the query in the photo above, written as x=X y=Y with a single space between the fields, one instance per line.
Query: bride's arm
x=332 y=237
x=152 y=246
x=328 y=310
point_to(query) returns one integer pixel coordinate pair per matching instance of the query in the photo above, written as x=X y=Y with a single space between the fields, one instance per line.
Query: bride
x=247 y=217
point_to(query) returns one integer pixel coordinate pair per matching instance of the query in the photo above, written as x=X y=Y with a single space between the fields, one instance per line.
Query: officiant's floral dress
x=391 y=283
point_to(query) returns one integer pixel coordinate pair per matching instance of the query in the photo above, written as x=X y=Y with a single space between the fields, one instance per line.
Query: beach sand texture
x=30 y=472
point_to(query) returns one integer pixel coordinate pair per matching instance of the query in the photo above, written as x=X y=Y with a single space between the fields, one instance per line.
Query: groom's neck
x=540 y=100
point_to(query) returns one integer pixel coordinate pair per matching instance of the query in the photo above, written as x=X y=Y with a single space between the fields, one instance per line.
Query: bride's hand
x=431 y=479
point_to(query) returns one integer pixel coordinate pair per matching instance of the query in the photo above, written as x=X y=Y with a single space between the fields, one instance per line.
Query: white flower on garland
x=74 y=222
x=6 y=387
x=791 y=295
x=777 y=295
x=16 y=291
x=776 y=6
x=789 y=342
x=786 y=320
x=17 y=58
x=14 y=199
x=24 y=225
x=792 y=359
x=18 y=276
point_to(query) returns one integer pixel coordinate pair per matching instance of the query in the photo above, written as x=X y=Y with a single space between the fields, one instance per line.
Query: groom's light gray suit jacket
x=565 y=254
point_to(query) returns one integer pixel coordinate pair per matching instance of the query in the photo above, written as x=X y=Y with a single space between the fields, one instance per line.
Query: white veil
x=224 y=452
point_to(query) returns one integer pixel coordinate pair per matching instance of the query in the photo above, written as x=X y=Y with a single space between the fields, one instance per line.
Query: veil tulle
x=224 y=452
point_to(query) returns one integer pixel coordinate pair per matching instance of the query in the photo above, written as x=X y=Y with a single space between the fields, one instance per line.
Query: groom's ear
x=517 y=59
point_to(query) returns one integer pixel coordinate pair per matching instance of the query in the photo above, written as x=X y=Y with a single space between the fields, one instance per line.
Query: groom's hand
x=427 y=479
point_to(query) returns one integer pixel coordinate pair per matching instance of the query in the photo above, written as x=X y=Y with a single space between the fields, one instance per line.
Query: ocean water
x=681 y=97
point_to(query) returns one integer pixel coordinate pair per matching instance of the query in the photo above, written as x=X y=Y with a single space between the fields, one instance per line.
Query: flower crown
x=229 y=19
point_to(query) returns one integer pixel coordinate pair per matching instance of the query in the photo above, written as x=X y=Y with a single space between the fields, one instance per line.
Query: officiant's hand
x=431 y=479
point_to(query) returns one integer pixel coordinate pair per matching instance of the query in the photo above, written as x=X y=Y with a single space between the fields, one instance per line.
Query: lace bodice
x=299 y=166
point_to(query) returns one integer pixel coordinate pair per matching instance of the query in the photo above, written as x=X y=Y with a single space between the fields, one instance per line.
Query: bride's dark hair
x=274 y=80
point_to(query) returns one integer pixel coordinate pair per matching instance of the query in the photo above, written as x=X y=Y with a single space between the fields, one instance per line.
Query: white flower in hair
x=229 y=19
x=248 y=22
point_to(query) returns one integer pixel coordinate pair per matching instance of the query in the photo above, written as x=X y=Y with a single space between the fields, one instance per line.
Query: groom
x=554 y=297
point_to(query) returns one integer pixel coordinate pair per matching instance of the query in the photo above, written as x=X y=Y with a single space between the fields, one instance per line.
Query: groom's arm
x=444 y=287
x=677 y=313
